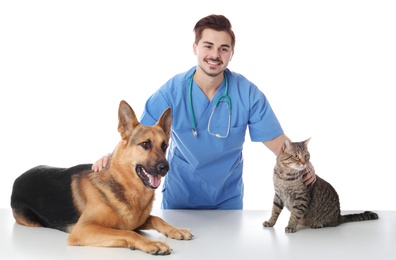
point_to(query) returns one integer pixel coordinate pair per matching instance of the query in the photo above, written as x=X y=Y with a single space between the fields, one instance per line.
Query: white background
x=327 y=67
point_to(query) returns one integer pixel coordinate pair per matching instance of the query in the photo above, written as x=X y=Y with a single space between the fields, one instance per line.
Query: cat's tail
x=367 y=215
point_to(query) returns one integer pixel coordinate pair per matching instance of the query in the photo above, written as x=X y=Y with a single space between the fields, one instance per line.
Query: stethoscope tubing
x=224 y=95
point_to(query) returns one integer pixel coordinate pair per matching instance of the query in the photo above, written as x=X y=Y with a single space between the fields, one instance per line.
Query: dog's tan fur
x=115 y=202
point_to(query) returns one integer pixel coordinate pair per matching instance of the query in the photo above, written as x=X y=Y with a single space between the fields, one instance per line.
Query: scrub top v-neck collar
x=202 y=105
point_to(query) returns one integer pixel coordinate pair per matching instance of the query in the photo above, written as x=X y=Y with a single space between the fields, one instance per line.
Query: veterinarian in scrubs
x=212 y=107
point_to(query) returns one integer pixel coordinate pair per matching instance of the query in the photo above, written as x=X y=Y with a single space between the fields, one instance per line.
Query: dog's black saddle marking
x=43 y=195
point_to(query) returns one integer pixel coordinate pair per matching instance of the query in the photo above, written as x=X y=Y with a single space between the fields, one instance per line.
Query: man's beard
x=211 y=74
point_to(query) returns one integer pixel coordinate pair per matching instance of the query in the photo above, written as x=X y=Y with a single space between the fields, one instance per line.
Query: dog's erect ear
x=127 y=120
x=165 y=121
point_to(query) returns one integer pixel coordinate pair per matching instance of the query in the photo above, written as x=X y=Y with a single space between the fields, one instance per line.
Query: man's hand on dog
x=101 y=163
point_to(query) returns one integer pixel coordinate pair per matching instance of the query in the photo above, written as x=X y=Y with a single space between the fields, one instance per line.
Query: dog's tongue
x=154 y=180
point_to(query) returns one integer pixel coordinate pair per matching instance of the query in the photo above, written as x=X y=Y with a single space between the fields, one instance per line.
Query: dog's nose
x=163 y=168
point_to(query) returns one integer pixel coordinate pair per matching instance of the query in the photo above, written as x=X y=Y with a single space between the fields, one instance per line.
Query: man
x=212 y=108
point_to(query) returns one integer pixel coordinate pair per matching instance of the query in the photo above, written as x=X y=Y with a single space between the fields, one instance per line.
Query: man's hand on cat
x=309 y=175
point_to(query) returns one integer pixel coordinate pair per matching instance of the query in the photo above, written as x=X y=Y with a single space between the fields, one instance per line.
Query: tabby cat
x=316 y=205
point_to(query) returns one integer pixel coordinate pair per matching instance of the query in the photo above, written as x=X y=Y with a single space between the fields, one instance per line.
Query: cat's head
x=294 y=155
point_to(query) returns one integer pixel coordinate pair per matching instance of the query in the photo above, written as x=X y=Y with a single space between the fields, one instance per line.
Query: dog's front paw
x=156 y=248
x=180 y=234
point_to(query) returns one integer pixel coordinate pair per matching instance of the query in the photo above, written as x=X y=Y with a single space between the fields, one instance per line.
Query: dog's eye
x=146 y=145
x=164 y=146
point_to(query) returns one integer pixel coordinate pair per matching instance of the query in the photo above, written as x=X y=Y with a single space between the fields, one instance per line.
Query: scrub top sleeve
x=263 y=123
x=153 y=109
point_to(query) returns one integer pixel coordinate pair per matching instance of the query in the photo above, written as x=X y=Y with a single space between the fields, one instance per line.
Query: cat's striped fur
x=314 y=206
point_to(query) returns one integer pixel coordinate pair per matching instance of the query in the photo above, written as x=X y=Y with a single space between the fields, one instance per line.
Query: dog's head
x=142 y=150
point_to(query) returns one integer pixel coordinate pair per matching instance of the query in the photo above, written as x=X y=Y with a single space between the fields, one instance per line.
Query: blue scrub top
x=206 y=171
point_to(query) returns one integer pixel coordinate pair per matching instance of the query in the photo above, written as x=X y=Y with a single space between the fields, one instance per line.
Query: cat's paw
x=290 y=230
x=268 y=224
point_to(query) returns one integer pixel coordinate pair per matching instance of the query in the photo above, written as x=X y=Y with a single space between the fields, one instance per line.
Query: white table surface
x=218 y=235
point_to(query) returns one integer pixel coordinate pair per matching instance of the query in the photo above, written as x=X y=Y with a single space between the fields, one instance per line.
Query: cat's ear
x=306 y=142
x=286 y=144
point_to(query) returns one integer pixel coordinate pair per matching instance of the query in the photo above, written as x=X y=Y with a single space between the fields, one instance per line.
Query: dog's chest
x=134 y=211
x=131 y=220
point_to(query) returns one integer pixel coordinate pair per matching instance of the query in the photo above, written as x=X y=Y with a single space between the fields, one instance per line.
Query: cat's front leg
x=293 y=221
x=291 y=228
x=297 y=213
x=276 y=210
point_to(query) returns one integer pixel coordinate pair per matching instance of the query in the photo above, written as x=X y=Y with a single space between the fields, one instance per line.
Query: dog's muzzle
x=152 y=179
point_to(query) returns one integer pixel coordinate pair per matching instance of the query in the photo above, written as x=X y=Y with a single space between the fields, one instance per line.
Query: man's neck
x=208 y=84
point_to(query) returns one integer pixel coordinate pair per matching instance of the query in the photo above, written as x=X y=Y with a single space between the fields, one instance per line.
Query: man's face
x=214 y=51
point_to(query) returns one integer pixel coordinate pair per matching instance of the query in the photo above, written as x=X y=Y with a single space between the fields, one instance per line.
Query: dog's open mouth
x=151 y=181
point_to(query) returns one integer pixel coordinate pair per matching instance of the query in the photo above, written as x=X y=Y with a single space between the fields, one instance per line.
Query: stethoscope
x=224 y=95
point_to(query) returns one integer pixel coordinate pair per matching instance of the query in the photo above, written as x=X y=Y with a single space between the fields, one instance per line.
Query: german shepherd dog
x=104 y=208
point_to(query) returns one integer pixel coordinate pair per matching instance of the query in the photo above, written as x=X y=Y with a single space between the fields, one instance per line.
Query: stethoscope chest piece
x=194 y=132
